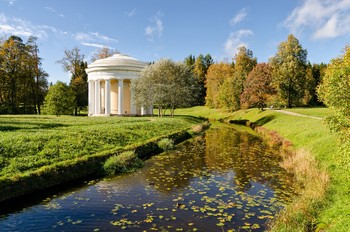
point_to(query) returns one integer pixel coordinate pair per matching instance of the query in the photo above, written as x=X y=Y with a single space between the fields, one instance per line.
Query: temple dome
x=117 y=62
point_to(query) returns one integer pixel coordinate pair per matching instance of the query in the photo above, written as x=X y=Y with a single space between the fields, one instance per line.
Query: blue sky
x=154 y=29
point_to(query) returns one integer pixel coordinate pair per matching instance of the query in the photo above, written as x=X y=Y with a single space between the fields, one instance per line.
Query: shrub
x=125 y=162
x=166 y=144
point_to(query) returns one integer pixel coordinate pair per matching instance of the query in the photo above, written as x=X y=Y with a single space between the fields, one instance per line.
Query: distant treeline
x=287 y=80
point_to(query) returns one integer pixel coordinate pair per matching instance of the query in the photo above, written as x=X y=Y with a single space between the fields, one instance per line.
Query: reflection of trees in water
x=175 y=170
x=220 y=150
x=247 y=155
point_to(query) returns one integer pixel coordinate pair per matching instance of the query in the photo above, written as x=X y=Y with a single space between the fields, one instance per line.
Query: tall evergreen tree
x=39 y=84
x=189 y=61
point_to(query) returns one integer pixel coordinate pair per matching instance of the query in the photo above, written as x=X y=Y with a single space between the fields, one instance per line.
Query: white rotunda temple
x=110 y=86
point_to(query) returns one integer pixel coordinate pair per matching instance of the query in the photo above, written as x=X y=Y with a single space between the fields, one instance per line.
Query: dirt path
x=299 y=115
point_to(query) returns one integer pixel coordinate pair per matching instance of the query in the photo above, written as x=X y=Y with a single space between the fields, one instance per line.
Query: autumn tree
x=290 y=65
x=244 y=63
x=12 y=53
x=60 y=100
x=217 y=74
x=165 y=85
x=257 y=87
x=73 y=62
x=334 y=92
x=23 y=83
x=103 y=53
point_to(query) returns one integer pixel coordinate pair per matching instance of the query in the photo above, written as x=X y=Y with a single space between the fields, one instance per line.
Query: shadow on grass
x=264 y=120
x=29 y=126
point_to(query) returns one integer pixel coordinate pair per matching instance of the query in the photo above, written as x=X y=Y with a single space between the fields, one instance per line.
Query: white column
x=132 y=103
x=108 y=97
x=143 y=111
x=120 y=97
x=97 y=97
x=91 y=98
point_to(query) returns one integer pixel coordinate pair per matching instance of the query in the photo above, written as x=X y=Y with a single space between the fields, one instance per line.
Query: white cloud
x=131 y=13
x=50 y=9
x=239 y=17
x=156 y=27
x=235 y=41
x=325 y=18
x=53 y=11
x=93 y=45
x=19 y=27
x=10 y=2
x=93 y=37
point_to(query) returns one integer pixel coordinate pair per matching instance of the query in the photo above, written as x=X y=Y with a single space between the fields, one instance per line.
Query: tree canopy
x=334 y=92
x=165 y=85
x=59 y=100
x=289 y=65
x=258 y=87
x=23 y=82
x=217 y=74
x=73 y=62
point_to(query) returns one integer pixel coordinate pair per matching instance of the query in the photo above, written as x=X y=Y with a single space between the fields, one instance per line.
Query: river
x=225 y=180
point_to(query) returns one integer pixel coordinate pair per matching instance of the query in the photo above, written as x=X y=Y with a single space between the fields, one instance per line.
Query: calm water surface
x=223 y=181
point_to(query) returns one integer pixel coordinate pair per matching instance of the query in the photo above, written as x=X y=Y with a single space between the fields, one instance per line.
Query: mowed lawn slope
x=30 y=142
x=310 y=134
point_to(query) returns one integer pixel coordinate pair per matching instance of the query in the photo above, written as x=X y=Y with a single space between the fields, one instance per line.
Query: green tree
x=73 y=62
x=257 y=87
x=37 y=76
x=334 y=92
x=318 y=72
x=189 y=61
x=290 y=65
x=200 y=69
x=165 y=85
x=79 y=86
x=60 y=100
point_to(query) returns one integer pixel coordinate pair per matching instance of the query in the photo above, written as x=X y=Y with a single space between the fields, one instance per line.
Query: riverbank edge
x=300 y=214
x=89 y=165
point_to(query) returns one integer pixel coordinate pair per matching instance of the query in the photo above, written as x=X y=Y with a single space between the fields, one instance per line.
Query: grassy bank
x=41 y=151
x=311 y=136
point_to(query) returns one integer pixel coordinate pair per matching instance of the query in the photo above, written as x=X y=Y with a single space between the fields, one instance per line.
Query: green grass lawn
x=205 y=112
x=314 y=136
x=30 y=142
x=321 y=112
